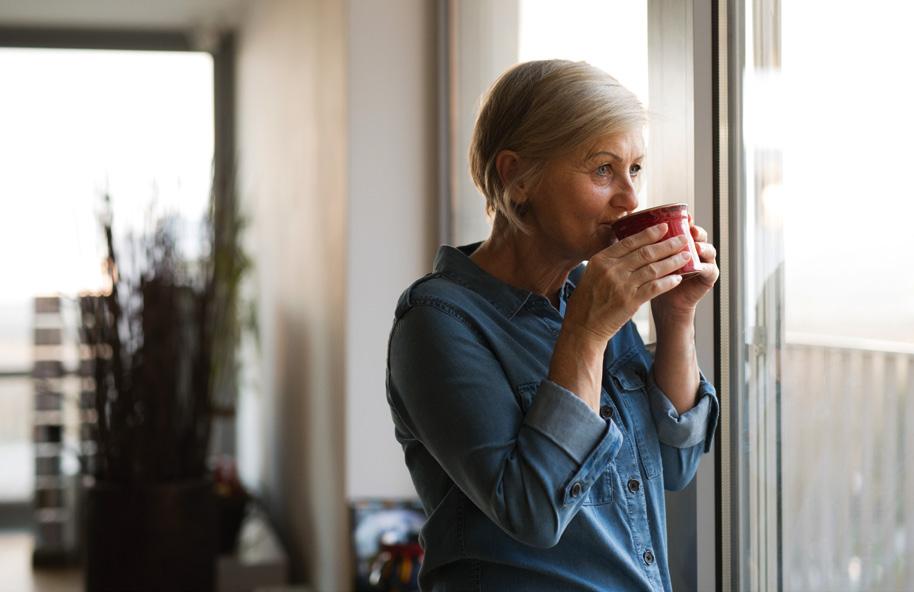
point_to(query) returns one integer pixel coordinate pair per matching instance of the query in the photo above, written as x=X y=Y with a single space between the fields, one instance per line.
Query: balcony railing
x=847 y=464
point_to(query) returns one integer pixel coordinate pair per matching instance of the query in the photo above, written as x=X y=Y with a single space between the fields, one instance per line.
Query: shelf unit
x=51 y=512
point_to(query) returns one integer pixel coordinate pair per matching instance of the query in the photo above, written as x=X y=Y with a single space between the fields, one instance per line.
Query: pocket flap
x=627 y=377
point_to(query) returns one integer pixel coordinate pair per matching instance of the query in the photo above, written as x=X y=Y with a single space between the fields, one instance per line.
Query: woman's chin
x=595 y=249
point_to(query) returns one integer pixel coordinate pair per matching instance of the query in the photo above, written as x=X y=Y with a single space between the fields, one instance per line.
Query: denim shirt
x=524 y=485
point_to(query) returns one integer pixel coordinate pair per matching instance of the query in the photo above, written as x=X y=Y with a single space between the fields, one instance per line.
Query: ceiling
x=132 y=14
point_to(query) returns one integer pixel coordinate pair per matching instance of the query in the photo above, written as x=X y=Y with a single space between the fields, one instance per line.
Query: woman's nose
x=626 y=197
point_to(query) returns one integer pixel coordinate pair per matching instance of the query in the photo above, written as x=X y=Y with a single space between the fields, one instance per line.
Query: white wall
x=392 y=184
x=336 y=110
x=291 y=94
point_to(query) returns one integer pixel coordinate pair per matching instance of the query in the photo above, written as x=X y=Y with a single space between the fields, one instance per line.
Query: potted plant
x=162 y=341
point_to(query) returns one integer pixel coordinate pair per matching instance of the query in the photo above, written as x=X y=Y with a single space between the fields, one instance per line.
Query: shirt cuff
x=571 y=425
x=693 y=427
x=565 y=419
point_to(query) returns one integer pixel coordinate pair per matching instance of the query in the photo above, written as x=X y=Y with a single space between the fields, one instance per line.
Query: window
x=823 y=316
x=78 y=124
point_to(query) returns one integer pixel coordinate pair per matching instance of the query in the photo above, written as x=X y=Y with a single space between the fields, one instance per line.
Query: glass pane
x=828 y=406
x=76 y=125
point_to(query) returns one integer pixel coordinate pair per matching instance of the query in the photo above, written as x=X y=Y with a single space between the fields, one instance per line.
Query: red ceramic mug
x=676 y=217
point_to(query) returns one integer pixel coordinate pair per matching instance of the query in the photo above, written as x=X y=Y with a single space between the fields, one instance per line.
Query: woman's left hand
x=680 y=302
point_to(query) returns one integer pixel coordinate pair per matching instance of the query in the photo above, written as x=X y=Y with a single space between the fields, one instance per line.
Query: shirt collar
x=455 y=263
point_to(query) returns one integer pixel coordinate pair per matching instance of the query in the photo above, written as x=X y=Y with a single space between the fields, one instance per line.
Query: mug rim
x=655 y=208
x=633 y=218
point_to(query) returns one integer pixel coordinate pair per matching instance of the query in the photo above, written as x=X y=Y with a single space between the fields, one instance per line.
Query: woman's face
x=581 y=194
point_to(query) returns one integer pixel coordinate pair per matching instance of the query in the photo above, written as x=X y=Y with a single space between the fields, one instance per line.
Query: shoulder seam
x=461 y=282
x=447 y=309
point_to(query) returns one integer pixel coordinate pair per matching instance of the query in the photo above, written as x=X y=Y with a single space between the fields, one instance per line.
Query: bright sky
x=73 y=123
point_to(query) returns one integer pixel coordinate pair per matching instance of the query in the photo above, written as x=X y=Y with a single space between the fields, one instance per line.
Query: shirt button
x=648 y=557
x=606 y=412
x=634 y=485
x=576 y=489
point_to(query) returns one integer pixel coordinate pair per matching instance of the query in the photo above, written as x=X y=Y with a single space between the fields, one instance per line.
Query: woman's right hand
x=617 y=281
x=622 y=277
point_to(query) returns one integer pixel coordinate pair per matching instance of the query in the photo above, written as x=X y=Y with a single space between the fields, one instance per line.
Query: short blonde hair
x=542 y=110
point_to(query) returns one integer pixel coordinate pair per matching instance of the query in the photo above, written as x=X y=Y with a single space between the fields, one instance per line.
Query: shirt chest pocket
x=602 y=490
x=629 y=378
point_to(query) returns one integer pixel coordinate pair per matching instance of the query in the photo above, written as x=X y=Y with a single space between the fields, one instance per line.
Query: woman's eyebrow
x=611 y=155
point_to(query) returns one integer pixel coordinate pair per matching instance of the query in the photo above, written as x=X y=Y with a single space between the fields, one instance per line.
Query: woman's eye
x=603 y=170
x=636 y=168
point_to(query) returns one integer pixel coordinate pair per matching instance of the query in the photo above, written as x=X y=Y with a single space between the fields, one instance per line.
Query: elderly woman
x=539 y=431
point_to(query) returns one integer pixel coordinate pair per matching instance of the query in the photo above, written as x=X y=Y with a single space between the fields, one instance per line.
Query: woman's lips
x=611 y=222
x=608 y=227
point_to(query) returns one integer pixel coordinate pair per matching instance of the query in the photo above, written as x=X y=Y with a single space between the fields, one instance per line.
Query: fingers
x=655 y=288
x=631 y=243
x=706 y=251
x=651 y=254
x=699 y=234
x=662 y=267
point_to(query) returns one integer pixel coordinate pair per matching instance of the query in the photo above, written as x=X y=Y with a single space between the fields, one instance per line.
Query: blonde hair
x=542 y=110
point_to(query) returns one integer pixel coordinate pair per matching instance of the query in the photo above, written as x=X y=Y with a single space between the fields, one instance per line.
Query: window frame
x=740 y=556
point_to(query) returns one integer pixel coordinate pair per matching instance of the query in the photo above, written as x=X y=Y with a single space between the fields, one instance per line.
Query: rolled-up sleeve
x=529 y=473
x=695 y=426
x=683 y=438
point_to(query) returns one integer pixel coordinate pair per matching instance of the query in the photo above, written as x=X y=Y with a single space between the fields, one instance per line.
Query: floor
x=18 y=574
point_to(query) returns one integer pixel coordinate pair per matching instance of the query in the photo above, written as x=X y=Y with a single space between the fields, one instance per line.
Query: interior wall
x=291 y=105
x=392 y=219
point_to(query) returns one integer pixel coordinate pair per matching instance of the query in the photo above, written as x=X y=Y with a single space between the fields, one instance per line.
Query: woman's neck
x=522 y=261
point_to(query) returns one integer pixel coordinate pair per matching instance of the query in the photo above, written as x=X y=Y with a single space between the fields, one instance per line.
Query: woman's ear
x=508 y=165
